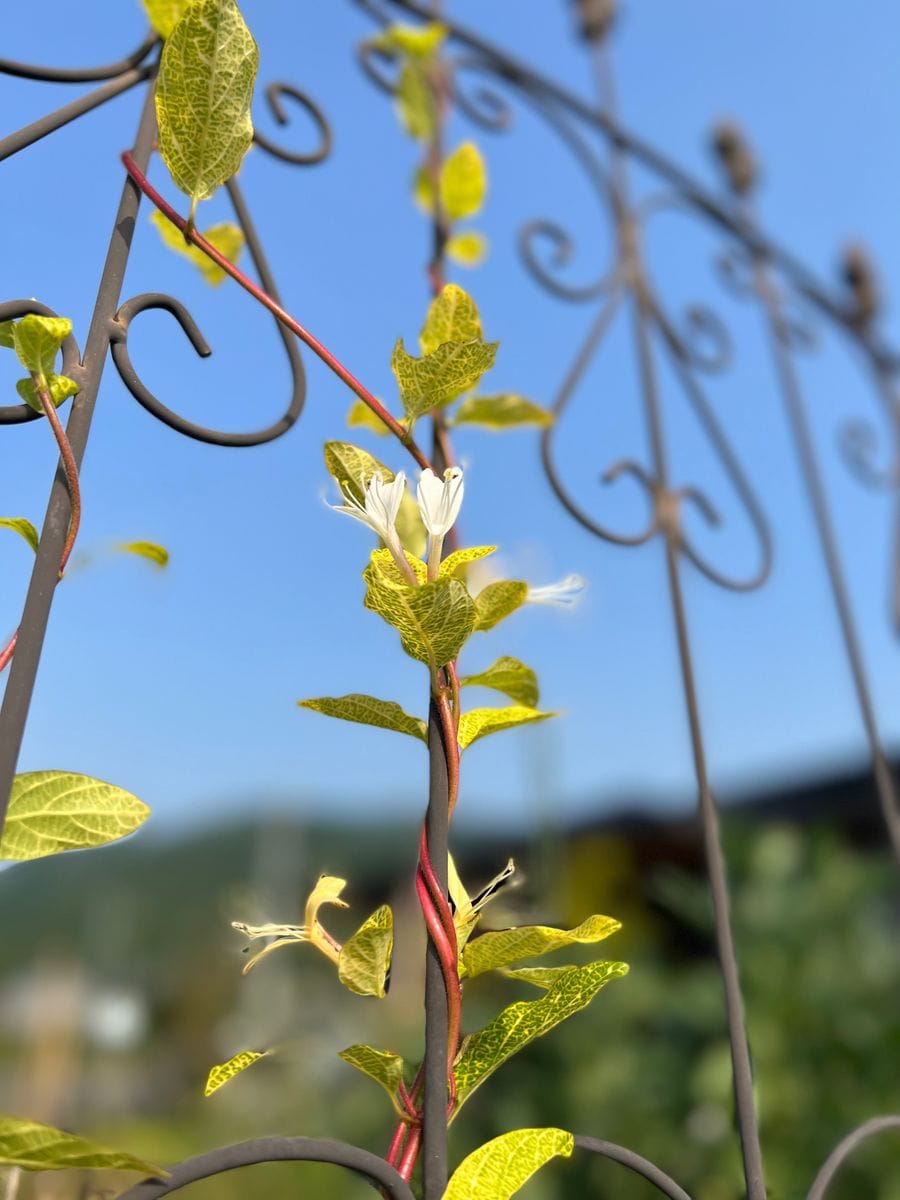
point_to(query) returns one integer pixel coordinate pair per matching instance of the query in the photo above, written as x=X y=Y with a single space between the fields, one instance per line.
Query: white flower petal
x=439 y=500
x=565 y=594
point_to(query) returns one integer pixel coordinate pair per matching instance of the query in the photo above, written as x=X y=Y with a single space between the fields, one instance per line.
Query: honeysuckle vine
x=416 y=580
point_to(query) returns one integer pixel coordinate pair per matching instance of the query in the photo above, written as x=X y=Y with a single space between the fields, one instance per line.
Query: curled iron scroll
x=845 y=1148
x=9 y=66
x=636 y=1163
x=275 y=1149
x=149 y=300
x=275 y=93
x=11 y=310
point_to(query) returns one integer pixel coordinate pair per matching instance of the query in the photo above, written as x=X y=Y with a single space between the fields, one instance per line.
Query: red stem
x=70 y=468
x=410 y=1154
x=191 y=235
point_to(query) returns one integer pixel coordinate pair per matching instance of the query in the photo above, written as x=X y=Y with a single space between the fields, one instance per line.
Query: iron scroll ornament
x=109 y=329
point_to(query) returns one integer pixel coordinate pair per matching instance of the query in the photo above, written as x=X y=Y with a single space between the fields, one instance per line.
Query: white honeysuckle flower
x=564 y=594
x=379 y=507
x=378 y=510
x=439 y=500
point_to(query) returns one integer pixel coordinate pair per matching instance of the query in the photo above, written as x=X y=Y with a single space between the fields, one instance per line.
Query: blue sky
x=181 y=686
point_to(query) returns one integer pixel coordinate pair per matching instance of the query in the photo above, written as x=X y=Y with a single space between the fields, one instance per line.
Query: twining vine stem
x=70 y=469
x=406 y=1143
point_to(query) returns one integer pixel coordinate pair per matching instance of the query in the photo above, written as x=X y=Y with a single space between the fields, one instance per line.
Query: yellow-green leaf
x=60 y=387
x=467 y=249
x=521 y=1023
x=463 y=182
x=452 y=317
x=509 y=676
x=361 y=416
x=164 y=15
x=491 y=951
x=433 y=621
x=439 y=377
x=35 y=1147
x=480 y=722
x=37 y=340
x=367 y=710
x=382 y=562
x=418 y=41
x=8 y=334
x=383 y=1066
x=409 y=527
x=416 y=102
x=501 y=412
x=539 y=977
x=226 y=237
x=496 y=1170
x=498 y=600
x=460 y=558
x=423 y=191
x=52 y=811
x=225 y=1072
x=364 y=963
x=23 y=527
x=351 y=467
x=203 y=93
x=158 y=555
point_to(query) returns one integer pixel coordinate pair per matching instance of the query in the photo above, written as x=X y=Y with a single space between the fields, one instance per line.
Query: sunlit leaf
x=509 y=676
x=226 y=237
x=423 y=191
x=433 y=621
x=491 y=951
x=452 y=317
x=461 y=558
x=501 y=412
x=416 y=102
x=203 y=93
x=52 y=811
x=480 y=722
x=539 y=977
x=156 y=554
x=496 y=1170
x=367 y=710
x=463 y=182
x=60 y=388
x=383 y=1066
x=35 y=1147
x=498 y=600
x=352 y=467
x=164 y=15
x=438 y=378
x=365 y=959
x=468 y=249
x=521 y=1023
x=361 y=416
x=37 y=340
x=225 y=1072
x=418 y=41
x=23 y=527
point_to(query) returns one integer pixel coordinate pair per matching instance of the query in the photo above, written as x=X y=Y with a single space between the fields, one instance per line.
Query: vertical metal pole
x=790 y=388
x=434 y=1118
x=39 y=599
x=742 y=1074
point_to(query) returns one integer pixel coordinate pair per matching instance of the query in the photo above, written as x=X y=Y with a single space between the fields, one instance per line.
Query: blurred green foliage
x=647 y=1066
